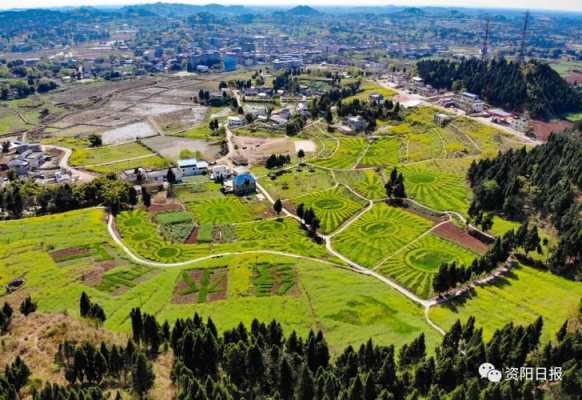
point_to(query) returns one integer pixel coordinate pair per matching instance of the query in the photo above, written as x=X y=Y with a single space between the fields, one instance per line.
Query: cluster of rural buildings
x=21 y=160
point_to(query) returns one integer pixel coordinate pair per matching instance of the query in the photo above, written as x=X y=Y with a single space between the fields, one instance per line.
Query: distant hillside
x=304 y=11
x=177 y=10
x=534 y=87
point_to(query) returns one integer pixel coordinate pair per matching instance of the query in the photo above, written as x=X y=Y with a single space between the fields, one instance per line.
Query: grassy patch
x=520 y=298
x=382 y=152
x=367 y=183
x=173 y=217
x=108 y=154
x=297 y=181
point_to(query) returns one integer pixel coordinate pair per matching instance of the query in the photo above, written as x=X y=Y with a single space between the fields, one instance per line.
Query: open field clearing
x=379 y=233
x=368 y=183
x=142 y=236
x=346 y=156
x=108 y=154
x=432 y=188
x=415 y=266
x=147 y=163
x=490 y=140
x=383 y=151
x=297 y=182
x=128 y=133
x=302 y=294
x=198 y=189
x=519 y=297
x=170 y=147
x=333 y=207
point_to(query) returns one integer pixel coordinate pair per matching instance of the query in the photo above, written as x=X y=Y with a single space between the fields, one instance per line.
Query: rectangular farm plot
x=346 y=156
x=368 y=183
x=201 y=286
x=434 y=189
x=332 y=207
x=379 y=233
x=415 y=265
x=119 y=280
x=273 y=279
x=108 y=154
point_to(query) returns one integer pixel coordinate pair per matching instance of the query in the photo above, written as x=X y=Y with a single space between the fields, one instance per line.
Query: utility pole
x=485 y=48
x=521 y=55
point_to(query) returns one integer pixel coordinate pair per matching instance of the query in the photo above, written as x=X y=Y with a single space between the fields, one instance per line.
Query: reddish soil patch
x=70 y=253
x=574 y=78
x=453 y=233
x=165 y=207
x=219 y=276
x=93 y=278
x=543 y=130
x=193 y=238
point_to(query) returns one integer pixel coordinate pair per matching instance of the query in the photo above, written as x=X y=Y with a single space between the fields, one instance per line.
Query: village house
x=469 y=102
x=357 y=123
x=441 y=119
x=375 y=98
x=191 y=167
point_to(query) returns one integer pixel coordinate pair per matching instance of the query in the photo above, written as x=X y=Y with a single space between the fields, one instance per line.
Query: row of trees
x=311 y=220
x=277 y=161
x=370 y=111
x=395 y=189
x=545 y=180
x=88 y=309
x=451 y=275
x=262 y=362
x=320 y=106
x=535 y=87
x=20 y=196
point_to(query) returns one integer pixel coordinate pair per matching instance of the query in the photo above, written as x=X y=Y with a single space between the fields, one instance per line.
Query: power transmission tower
x=485 y=48
x=521 y=55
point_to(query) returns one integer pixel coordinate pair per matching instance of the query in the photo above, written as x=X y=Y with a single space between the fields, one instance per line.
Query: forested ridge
x=533 y=87
x=261 y=362
x=544 y=182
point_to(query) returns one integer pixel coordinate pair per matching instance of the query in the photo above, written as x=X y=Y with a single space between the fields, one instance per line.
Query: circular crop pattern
x=270 y=227
x=428 y=260
x=224 y=210
x=332 y=207
x=433 y=188
x=378 y=228
x=139 y=236
x=330 y=204
x=168 y=252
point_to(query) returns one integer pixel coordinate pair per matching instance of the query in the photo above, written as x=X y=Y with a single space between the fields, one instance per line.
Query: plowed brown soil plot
x=94 y=277
x=165 y=207
x=193 y=238
x=201 y=286
x=69 y=253
x=453 y=233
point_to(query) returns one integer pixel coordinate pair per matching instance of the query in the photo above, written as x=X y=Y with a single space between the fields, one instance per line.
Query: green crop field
x=368 y=183
x=379 y=233
x=333 y=207
x=384 y=151
x=108 y=154
x=148 y=163
x=346 y=156
x=298 y=181
x=223 y=210
x=173 y=217
x=142 y=236
x=367 y=89
x=415 y=265
x=432 y=188
x=519 y=297
x=317 y=301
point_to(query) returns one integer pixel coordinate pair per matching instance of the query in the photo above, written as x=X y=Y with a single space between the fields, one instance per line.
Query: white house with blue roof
x=192 y=167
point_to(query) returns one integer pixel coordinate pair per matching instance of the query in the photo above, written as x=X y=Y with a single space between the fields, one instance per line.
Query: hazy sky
x=574 y=5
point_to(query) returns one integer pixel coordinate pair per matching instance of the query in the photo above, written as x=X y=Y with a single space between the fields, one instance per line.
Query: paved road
x=78 y=174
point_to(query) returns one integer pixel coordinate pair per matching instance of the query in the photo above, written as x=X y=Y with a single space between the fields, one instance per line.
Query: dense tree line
x=88 y=309
x=277 y=161
x=20 y=196
x=395 y=189
x=535 y=86
x=451 y=275
x=5 y=318
x=319 y=107
x=544 y=180
x=312 y=222
x=262 y=362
